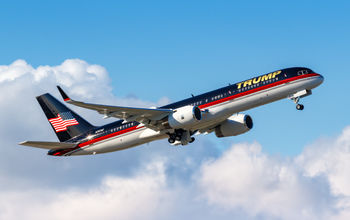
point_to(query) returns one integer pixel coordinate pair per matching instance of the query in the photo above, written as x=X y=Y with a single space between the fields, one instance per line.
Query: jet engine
x=234 y=125
x=184 y=117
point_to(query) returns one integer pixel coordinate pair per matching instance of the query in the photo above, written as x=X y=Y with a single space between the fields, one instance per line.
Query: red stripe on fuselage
x=110 y=135
x=257 y=89
x=99 y=139
x=241 y=94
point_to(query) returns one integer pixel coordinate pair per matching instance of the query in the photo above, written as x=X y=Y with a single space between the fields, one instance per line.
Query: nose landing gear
x=296 y=97
x=298 y=106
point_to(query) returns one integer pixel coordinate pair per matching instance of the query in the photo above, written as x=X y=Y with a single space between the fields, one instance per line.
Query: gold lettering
x=276 y=73
x=266 y=77
x=247 y=83
x=256 y=80
x=239 y=85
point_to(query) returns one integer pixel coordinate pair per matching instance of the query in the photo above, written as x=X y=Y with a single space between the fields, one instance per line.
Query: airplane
x=217 y=111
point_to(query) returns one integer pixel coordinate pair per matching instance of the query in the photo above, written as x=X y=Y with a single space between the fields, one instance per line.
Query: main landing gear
x=180 y=137
x=171 y=140
x=174 y=137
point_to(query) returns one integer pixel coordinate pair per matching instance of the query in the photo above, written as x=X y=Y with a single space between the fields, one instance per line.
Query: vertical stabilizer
x=65 y=122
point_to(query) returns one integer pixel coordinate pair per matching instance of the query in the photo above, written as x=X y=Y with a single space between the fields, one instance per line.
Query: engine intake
x=184 y=117
x=234 y=125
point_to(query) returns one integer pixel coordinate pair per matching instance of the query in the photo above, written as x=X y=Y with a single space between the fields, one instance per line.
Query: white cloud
x=314 y=185
x=22 y=118
x=332 y=162
x=245 y=178
x=20 y=83
x=70 y=73
x=242 y=182
x=142 y=196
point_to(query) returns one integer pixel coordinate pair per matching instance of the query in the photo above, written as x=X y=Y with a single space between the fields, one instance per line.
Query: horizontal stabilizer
x=48 y=145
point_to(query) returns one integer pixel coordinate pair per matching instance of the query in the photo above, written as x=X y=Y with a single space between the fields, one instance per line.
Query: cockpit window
x=303 y=72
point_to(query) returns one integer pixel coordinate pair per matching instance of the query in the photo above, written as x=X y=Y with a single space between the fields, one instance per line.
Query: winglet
x=63 y=94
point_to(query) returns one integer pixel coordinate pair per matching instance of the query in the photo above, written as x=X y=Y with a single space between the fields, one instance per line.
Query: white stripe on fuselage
x=216 y=114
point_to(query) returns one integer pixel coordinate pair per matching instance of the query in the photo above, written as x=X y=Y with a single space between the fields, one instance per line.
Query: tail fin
x=65 y=122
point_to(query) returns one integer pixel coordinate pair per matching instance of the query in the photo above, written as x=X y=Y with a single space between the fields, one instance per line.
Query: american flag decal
x=63 y=120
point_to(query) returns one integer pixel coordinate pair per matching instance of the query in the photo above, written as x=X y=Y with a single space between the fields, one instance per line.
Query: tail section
x=65 y=122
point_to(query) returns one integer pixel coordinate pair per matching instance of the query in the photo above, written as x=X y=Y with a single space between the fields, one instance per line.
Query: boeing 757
x=217 y=111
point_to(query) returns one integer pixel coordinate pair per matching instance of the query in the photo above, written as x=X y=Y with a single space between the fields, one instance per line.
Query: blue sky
x=147 y=50
x=155 y=49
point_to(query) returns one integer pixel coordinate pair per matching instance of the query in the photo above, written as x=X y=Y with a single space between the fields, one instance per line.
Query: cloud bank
x=243 y=182
x=154 y=181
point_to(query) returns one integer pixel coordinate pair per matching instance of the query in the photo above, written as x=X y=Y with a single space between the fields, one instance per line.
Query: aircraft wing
x=48 y=145
x=146 y=116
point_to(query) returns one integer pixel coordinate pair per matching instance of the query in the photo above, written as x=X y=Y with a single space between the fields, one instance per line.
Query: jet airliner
x=217 y=111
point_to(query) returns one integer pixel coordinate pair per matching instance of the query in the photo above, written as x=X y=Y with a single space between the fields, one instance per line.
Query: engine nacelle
x=185 y=117
x=234 y=125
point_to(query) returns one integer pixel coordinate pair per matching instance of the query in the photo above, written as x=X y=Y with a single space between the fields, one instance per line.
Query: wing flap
x=48 y=145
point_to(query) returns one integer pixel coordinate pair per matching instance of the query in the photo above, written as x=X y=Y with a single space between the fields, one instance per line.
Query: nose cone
x=319 y=80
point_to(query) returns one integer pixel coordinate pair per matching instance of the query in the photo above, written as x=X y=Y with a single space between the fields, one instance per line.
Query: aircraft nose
x=319 y=79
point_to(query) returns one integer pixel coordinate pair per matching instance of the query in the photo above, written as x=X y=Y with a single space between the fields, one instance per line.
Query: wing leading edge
x=142 y=115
